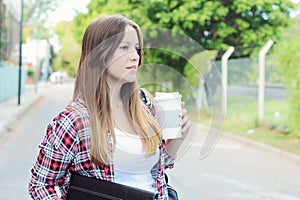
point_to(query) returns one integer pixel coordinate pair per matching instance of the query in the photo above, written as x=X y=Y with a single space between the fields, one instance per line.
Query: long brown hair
x=99 y=43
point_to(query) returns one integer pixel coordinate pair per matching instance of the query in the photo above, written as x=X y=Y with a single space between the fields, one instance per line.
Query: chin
x=130 y=79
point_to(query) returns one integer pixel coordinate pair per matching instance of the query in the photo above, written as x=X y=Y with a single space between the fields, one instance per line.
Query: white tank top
x=132 y=166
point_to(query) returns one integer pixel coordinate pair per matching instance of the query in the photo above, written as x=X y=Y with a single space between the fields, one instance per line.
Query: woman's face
x=124 y=62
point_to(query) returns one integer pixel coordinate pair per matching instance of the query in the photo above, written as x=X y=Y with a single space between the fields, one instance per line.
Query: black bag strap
x=146 y=100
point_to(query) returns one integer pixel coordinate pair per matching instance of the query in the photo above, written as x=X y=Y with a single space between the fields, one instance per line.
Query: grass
x=242 y=120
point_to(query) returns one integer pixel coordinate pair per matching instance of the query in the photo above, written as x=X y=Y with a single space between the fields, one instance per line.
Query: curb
x=15 y=112
x=263 y=146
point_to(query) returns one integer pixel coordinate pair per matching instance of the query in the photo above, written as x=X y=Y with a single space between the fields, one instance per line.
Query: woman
x=107 y=131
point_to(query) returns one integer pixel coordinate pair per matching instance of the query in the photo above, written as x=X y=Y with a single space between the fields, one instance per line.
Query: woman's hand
x=185 y=122
x=173 y=145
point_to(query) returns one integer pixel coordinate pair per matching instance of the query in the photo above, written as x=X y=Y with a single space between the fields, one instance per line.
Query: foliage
x=30 y=73
x=2 y=29
x=134 y=9
x=215 y=25
x=199 y=64
x=68 y=57
x=1 y=45
x=288 y=55
x=220 y=24
x=36 y=13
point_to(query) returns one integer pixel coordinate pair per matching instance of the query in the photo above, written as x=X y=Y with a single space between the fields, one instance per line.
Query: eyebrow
x=129 y=42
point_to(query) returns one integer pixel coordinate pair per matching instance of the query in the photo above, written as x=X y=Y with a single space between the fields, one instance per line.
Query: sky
x=297 y=11
x=67 y=11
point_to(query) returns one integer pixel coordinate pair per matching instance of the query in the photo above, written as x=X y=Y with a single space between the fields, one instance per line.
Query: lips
x=132 y=67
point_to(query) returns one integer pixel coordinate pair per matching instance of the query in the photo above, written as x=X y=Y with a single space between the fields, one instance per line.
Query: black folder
x=89 y=188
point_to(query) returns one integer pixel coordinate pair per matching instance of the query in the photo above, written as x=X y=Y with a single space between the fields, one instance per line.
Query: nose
x=134 y=55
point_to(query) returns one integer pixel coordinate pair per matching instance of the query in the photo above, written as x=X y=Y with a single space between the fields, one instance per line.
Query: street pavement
x=11 y=111
x=19 y=146
x=236 y=169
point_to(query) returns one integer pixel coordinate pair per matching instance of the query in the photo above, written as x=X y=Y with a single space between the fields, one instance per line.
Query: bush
x=288 y=63
x=30 y=73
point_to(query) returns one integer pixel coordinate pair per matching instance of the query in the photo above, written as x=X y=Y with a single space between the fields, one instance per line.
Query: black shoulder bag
x=172 y=193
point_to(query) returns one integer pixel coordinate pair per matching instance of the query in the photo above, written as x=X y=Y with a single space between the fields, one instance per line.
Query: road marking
x=259 y=193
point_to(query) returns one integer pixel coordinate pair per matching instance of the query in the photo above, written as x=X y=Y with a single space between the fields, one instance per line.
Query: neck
x=115 y=94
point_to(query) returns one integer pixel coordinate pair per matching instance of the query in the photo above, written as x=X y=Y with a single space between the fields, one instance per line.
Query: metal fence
x=9 y=82
x=242 y=92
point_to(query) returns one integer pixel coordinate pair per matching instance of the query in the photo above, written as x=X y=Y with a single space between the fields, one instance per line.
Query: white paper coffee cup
x=168 y=107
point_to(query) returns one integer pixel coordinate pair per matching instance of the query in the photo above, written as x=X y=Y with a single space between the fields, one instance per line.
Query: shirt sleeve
x=55 y=156
x=168 y=159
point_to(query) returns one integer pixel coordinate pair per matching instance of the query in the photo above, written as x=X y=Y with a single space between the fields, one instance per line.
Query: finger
x=185 y=128
x=182 y=104
x=182 y=113
x=184 y=120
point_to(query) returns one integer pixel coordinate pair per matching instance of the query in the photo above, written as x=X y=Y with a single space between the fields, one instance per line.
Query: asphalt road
x=19 y=148
x=236 y=170
x=233 y=170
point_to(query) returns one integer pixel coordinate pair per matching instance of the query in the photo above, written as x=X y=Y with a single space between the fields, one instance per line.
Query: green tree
x=215 y=25
x=287 y=53
x=192 y=71
x=2 y=41
x=220 y=24
x=36 y=13
x=68 y=56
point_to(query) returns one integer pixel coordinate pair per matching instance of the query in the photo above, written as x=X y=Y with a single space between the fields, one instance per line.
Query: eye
x=124 y=47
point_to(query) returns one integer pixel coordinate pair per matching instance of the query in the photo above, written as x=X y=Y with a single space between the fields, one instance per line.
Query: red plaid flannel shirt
x=66 y=149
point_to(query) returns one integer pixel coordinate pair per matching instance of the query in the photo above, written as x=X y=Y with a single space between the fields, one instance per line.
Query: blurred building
x=10 y=15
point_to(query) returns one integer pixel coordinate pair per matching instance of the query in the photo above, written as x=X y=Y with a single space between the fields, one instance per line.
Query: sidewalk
x=11 y=111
